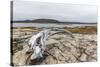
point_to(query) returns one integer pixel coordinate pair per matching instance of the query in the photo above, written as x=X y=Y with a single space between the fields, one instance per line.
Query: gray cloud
x=23 y=10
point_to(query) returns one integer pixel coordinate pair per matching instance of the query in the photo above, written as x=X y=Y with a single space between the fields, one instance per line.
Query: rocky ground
x=60 y=49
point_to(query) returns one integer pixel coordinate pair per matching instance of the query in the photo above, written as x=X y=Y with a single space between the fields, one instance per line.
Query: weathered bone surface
x=37 y=42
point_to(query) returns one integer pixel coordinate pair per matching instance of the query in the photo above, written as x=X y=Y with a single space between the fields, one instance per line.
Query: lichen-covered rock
x=83 y=57
x=61 y=48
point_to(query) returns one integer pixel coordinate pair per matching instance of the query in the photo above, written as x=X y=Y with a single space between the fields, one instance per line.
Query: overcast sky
x=24 y=10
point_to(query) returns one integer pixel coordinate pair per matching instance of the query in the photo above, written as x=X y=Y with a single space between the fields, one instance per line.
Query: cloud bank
x=27 y=10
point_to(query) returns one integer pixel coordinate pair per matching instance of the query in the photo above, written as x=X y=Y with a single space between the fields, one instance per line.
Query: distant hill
x=45 y=21
x=51 y=21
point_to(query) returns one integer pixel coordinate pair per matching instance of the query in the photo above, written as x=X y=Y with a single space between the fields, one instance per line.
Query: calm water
x=48 y=25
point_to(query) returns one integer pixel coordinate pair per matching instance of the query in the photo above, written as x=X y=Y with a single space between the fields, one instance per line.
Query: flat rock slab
x=62 y=49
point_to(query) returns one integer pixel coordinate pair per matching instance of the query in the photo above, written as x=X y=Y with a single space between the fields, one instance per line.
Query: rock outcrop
x=60 y=49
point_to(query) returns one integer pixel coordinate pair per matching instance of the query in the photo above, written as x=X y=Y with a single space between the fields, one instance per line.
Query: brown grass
x=83 y=30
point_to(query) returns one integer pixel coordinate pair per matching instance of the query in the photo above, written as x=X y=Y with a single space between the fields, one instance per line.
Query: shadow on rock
x=38 y=61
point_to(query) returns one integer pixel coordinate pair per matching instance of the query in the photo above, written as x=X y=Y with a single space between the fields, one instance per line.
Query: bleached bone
x=37 y=42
